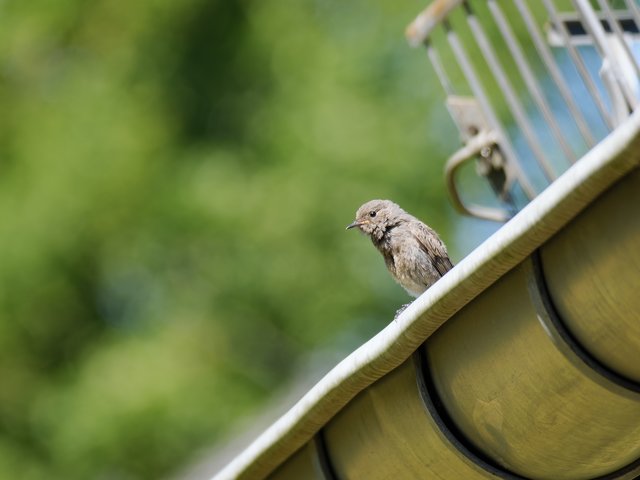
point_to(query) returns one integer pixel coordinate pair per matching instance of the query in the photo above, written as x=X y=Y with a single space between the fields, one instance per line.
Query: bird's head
x=375 y=217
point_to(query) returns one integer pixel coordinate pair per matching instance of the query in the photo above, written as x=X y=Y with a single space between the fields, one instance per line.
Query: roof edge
x=607 y=162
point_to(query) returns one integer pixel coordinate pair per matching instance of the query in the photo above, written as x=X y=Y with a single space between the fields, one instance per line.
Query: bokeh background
x=175 y=179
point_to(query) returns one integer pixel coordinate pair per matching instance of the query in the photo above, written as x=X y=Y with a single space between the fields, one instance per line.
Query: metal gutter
x=610 y=160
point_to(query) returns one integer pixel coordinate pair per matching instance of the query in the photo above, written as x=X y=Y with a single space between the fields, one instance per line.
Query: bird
x=413 y=252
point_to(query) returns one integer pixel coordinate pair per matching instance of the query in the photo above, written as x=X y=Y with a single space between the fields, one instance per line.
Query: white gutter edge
x=608 y=161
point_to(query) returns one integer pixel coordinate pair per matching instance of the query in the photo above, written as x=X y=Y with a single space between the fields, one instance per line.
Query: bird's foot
x=400 y=310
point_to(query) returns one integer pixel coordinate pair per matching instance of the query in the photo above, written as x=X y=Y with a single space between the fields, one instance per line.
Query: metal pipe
x=419 y=30
x=556 y=75
x=439 y=68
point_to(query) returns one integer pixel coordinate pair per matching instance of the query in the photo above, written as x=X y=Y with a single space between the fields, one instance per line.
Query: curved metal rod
x=481 y=141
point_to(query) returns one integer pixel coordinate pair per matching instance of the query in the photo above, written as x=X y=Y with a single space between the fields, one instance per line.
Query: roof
x=498 y=347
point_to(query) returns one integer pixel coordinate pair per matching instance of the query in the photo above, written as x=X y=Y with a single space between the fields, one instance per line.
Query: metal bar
x=615 y=27
x=579 y=63
x=530 y=79
x=594 y=27
x=632 y=6
x=483 y=99
x=509 y=93
x=439 y=68
x=556 y=75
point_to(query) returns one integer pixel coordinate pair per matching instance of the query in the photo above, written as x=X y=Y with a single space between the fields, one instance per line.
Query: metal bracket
x=481 y=144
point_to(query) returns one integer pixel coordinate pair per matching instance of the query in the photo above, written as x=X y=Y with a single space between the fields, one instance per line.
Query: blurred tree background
x=175 y=179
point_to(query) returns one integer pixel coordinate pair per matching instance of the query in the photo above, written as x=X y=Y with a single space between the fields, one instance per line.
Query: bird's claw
x=400 y=310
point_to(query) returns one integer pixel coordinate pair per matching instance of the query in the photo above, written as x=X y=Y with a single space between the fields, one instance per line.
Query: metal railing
x=531 y=86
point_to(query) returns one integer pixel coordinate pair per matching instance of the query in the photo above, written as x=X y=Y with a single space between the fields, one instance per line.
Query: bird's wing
x=433 y=247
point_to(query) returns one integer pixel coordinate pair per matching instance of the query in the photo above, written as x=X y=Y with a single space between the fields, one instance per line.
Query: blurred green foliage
x=175 y=179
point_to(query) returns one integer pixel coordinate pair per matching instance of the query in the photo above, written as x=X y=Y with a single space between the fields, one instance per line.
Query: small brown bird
x=413 y=252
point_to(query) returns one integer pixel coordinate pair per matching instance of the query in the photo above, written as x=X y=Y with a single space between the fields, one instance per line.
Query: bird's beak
x=352 y=225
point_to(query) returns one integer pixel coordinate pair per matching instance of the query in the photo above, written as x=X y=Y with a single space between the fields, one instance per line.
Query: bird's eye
x=372 y=213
